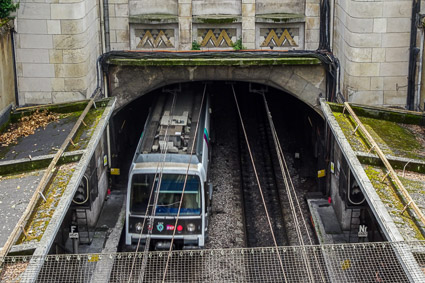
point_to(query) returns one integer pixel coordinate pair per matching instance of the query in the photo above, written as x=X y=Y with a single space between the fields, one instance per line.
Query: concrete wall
x=7 y=81
x=57 y=48
x=371 y=39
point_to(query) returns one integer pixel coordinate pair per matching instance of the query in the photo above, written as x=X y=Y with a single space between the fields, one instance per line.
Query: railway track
x=257 y=228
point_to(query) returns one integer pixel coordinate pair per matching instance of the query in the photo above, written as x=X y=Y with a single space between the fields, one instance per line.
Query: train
x=162 y=164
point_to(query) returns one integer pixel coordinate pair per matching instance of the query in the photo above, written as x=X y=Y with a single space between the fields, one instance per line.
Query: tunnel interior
x=299 y=126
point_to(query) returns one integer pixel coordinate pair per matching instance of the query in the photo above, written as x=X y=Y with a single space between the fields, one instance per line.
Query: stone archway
x=306 y=82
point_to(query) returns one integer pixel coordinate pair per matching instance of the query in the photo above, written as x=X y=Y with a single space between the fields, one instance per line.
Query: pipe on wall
x=413 y=55
x=421 y=58
x=15 y=76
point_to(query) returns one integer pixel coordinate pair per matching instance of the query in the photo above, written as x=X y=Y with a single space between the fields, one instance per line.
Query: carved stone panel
x=153 y=37
x=216 y=37
x=280 y=37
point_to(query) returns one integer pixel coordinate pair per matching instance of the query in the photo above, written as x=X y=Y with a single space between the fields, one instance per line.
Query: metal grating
x=368 y=262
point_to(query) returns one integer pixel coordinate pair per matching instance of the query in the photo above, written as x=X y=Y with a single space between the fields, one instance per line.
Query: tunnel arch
x=305 y=82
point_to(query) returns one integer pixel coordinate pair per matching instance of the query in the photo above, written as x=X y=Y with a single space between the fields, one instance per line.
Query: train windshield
x=169 y=194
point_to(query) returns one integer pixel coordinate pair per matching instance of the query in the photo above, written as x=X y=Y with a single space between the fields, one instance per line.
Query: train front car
x=163 y=167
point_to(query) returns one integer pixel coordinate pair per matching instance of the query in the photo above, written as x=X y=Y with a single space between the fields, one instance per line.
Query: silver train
x=178 y=124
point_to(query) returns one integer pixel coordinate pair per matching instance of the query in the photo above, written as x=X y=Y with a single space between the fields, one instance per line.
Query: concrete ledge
x=280 y=18
x=38 y=162
x=216 y=61
x=401 y=163
x=153 y=19
x=216 y=19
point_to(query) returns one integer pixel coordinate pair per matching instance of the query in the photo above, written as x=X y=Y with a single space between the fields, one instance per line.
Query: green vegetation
x=395 y=203
x=196 y=45
x=44 y=210
x=6 y=8
x=238 y=45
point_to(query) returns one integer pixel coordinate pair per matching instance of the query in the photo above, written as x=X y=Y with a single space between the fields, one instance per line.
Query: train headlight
x=191 y=227
x=139 y=226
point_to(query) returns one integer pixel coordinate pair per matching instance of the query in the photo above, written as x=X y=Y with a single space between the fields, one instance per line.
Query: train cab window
x=169 y=194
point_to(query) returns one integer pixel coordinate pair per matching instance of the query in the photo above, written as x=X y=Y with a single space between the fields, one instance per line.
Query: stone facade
x=371 y=40
x=58 y=43
x=57 y=47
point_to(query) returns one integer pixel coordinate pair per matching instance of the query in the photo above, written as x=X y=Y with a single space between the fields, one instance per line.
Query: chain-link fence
x=368 y=262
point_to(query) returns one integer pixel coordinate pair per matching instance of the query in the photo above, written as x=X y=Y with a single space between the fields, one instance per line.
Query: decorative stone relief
x=280 y=37
x=154 y=38
x=216 y=37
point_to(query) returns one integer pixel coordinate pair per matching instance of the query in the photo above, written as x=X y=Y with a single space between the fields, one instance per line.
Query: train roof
x=176 y=122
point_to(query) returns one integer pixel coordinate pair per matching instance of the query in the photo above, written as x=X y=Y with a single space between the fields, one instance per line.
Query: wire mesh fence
x=368 y=262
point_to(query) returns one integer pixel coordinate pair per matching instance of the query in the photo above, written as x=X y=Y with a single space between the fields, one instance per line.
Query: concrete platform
x=326 y=224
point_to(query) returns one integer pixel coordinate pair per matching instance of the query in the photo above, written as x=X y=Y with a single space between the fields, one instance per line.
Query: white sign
x=362 y=231
x=72 y=232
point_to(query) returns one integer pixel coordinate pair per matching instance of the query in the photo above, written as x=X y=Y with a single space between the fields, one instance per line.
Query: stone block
x=118 y=23
x=379 y=25
x=60 y=97
x=376 y=83
x=367 y=97
x=248 y=23
x=36 y=97
x=248 y=10
x=76 y=55
x=58 y=84
x=55 y=56
x=397 y=9
x=185 y=10
x=119 y=2
x=122 y=36
x=71 y=70
x=73 y=26
x=365 y=9
x=395 y=39
x=121 y=46
x=400 y=54
x=359 y=25
x=31 y=70
x=248 y=36
x=34 y=84
x=312 y=23
x=111 y=9
x=362 y=69
x=398 y=25
x=312 y=10
x=31 y=10
x=54 y=27
x=312 y=35
x=394 y=69
x=295 y=84
x=121 y=10
x=363 y=39
x=395 y=98
x=32 y=55
x=37 y=41
x=395 y=83
x=72 y=11
x=378 y=54
x=313 y=74
x=31 y=26
x=358 y=83
x=358 y=54
x=75 y=84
